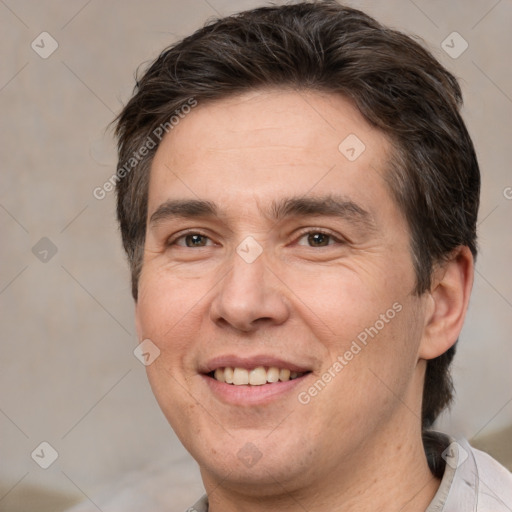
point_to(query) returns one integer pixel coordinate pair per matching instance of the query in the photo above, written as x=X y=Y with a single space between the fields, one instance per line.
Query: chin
x=263 y=465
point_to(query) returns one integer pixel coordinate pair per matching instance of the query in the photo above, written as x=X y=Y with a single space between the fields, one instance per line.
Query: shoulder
x=472 y=481
x=494 y=483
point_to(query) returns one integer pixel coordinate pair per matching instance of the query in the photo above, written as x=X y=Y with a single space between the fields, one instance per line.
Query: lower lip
x=252 y=395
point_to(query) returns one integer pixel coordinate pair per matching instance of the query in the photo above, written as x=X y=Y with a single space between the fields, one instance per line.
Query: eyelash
x=309 y=231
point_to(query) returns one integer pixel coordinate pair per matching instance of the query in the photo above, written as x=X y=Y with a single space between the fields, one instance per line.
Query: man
x=297 y=196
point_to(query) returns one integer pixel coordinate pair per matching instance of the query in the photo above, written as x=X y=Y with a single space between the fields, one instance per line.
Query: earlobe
x=448 y=302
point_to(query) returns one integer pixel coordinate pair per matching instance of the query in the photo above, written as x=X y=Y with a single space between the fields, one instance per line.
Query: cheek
x=164 y=303
x=389 y=351
x=169 y=314
x=165 y=315
x=373 y=366
x=366 y=321
x=341 y=301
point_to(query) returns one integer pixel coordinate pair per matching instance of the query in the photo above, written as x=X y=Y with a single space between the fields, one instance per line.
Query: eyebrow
x=183 y=208
x=329 y=206
x=326 y=206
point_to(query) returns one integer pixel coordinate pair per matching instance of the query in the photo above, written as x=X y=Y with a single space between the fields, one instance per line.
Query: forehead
x=258 y=146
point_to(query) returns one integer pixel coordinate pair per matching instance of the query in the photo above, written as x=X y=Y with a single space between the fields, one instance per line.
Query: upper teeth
x=255 y=377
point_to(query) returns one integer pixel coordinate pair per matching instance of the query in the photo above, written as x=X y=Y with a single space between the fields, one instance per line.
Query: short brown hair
x=396 y=84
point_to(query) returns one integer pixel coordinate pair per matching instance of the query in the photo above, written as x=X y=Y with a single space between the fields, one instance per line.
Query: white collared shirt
x=472 y=482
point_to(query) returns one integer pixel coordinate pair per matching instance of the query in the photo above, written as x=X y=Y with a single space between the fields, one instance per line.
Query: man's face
x=273 y=244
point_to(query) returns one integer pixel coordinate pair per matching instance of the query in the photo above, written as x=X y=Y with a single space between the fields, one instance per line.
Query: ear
x=447 y=303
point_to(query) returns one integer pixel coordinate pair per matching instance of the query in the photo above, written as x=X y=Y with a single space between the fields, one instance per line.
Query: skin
x=357 y=444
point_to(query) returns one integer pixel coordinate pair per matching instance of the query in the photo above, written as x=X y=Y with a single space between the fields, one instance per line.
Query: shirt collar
x=459 y=484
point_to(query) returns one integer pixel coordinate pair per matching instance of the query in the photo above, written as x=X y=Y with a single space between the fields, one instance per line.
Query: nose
x=249 y=296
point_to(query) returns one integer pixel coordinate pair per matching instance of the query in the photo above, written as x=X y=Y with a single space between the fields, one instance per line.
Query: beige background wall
x=68 y=375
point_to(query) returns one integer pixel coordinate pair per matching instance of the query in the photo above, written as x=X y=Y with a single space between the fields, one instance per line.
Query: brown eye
x=195 y=240
x=317 y=239
x=191 y=240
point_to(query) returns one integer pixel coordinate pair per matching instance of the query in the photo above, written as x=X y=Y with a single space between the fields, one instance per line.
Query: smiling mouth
x=254 y=377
